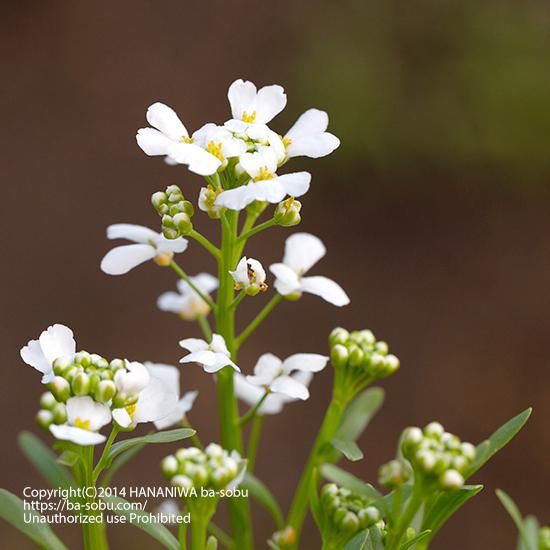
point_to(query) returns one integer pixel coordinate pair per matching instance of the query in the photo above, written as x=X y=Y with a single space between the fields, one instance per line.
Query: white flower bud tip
x=451 y=479
x=434 y=429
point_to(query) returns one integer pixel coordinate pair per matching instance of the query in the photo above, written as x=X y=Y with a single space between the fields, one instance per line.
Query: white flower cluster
x=245 y=144
x=87 y=392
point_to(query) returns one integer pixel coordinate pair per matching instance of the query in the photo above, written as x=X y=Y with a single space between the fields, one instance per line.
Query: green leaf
x=156 y=530
x=68 y=458
x=359 y=413
x=499 y=439
x=345 y=479
x=410 y=543
x=515 y=514
x=444 y=505
x=119 y=462
x=44 y=460
x=348 y=448
x=167 y=436
x=264 y=497
x=369 y=539
x=12 y=510
x=531 y=528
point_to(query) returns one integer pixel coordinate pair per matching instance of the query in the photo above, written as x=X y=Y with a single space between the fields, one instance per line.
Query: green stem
x=251 y=413
x=188 y=280
x=182 y=535
x=201 y=239
x=198 y=533
x=277 y=299
x=328 y=428
x=240 y=297
x=254 y=441
x=260 y=227
x=103 y=459
x=205 y=327
x=415 y=502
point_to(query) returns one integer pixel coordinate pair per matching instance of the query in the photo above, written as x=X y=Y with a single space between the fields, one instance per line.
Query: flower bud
x=285 y=538
x=368 y=516
x=83 y=359
x=44 y=418
x=544 y=538
x=339 y=356
x=411 y=437
x=105 y=391
x=59 y=412
x=356 y=357
x=350 y=522
x=287 y=212
x=182 y=481
x=426 y=460
x=60 y=389
x=338 y=336
x=451 y=479
x=393 y=474
x=47 y=401
x=410 y=533
x=434 y=429
x=80 y=384
x=169 y=466
x=468 y=450
x=60 y=365
x=211 y=543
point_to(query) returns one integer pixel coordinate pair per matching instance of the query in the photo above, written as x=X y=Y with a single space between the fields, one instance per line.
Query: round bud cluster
x=175 y=211
x=51 y=411
x=544 y=538
x=394 y=474
x=347 y=512
x=437 y=455
x=213 y=468
x=287 y=213
x=285 y=538
x=361 y=352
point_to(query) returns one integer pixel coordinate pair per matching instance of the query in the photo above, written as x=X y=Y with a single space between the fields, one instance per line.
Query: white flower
x=170 y=138
x=274 y=375
x=85 y=417
x=308 y=137
x=302 y=252
x=149 y=398
x=265 y=184
x=219 y=141
x=207 y=201
x=187 y=303
x=249 y=276
x=54 y=343
x=149 y=246
x=274 y=402
x=212 y=357
x=254 y=106
x=169 y=376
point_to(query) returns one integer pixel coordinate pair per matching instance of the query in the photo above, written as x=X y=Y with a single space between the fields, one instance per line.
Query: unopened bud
x=368 y=516
x=287 y=213
x=47 y=400
x=434 y=429
x=410 y=533
x=426 y=460
x=44 y=418
x=451 y=479
x=468 y=450
x=59 y=412
x=285 y=538
x=211 y=543
x=169 y=466
x=349 y=522
x=60 y=365
x=81 y=384
x=338 y=336
x=339 y=356
x=105 y=391
x=60 y=389
x=182 y=481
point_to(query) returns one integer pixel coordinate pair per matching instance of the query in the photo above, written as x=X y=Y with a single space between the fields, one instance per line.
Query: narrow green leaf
x=119 y=462
x=345 y=479
x=348 y=448
x=68 y=458
x=264 y=497
x=44 y=460
x=499 y=439
x=359 y=413
x=155 y=530
x=515 y=514
x=167 y=436
x=410 y=543
x=369 y=539
x=12 y=510
x=531 y=528
x=444 y=505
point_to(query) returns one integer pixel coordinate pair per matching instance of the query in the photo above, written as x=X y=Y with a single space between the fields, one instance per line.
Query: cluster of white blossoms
x=245 y=143
x=87 y=392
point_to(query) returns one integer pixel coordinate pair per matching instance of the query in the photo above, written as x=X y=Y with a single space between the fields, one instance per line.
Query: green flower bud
x=425 y=460
x=182 y=481
x=105 y=391
x=47 y=401
x=411 y=438
x=394 y=474
x=60 y=365
x=434 y=429
x=367 y=336
x=116 y=364
x=544 y=538
x=285 y=538
x=59 y=413
x=460 y=463
x=382 y=347
x=158 y=199
x=391 y=364
x=169 y=466
x=44 y=419
x=338 y=336
x=211 y=543
x=287 y=213
x=339 y=356
x=356 y=357
x=80 y=384
x=468 y=451
x=200 y=476
x=368 y=516
x=328 y=492
x=83 y=358
x=410 y=533
x=451 y=479
x=349 y=523
x=60 y=389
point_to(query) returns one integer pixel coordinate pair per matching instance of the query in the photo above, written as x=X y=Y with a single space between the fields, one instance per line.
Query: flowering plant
x=241 y=162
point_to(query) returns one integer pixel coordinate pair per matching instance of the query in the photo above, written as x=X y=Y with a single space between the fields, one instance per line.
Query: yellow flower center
x=249 y=117
x=264 y=174
x=131 y=409
x=164 y=258
x=185 y=139
x=82 y=424
x=286 y=142
x=216 y=150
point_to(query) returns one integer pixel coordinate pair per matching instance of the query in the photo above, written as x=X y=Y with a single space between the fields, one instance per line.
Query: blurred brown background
x=434 y=210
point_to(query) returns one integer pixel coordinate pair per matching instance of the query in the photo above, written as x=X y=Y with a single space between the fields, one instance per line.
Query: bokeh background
x=435 y=212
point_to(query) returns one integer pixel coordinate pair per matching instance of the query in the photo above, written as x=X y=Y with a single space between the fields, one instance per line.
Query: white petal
x=152 y=142
x=312 y=122
x=171 y=301
x=206 y=282
x=198 y=160
x=171 y=245
x=155 y=402
x=168 y=375
x=250 y=394
x=240 y=275
x=313 y=146
x=238 y=198
x=307 y=362
x=258 y=269
x=122 y=418
x=182 y=407
x=33 y=356
x=193 y=344
x=296 y=184
x=303 y=251
x=290 y=387
x=166 y=120
x=218 y=344
x=270 y=102
x=76 y=435
x=253 y=163
x=327 y=289
x=242 y=98
x=268 y=367
x=203 y=357
x=132 y=232
x=124 y=258
x=57 y=341
x=86 y=409
x=132 y=380
x=287 y=281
